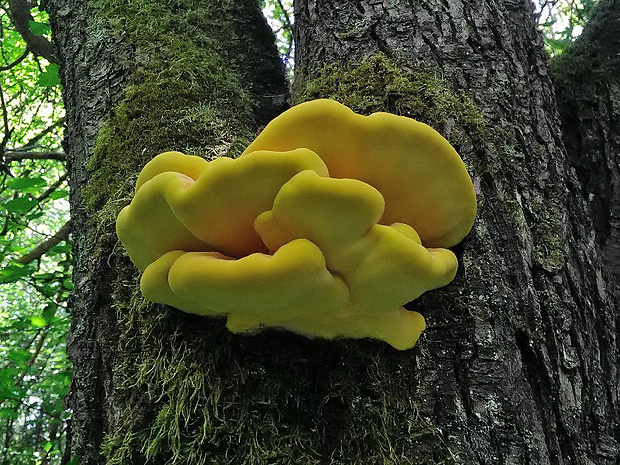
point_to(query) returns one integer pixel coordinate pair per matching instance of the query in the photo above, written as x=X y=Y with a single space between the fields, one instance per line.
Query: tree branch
x=5 y=121
x=50 y=190
x=14 y=155
x=38 y=251
x=287 y=18
x=7 y=132
x=20 y=16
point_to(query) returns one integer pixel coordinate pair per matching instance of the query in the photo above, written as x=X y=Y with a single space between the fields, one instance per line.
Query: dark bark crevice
x=586 y=79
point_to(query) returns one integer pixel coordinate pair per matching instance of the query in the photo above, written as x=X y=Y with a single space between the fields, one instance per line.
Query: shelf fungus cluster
x=326 y=225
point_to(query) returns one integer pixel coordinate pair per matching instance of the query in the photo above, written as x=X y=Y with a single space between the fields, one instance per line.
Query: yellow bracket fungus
x=326 y=226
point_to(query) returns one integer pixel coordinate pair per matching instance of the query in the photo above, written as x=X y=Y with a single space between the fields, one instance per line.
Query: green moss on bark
x=381 y=84
x=182 y=93
x=271 y=405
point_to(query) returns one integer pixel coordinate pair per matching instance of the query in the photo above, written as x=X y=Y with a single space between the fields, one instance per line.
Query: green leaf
x=61 y=194
x=6 y=412
x=557 y=45
x=37 y=321
x=39 y=29
x=19 y=355
x=52 y=408
x=49 y=312
x=49 y=77
x=47 y=290
x=47 y=446
x=22 y=184
x=13 y=273
x=62 y=248
x=62 y=377
x=44 y=276
x=7 y=383
x=20 y=204
x=19 y=324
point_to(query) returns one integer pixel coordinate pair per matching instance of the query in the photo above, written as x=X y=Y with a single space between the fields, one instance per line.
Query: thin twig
x=50 y=190
x=59 y=122
x=5 y=121
x=289 y=23
x=21 y=58
x=7 y=133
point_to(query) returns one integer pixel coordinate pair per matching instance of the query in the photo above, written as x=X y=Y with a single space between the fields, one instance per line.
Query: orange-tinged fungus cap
x=421 y=177
x=385 y=267
x=291 y=281
x=205 y=206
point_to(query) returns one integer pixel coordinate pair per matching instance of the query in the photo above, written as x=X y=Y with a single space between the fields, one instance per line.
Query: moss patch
x=381 y=84
x=213 y=398
x=182 y=95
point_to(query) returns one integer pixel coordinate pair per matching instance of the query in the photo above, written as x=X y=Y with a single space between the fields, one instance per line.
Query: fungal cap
x=332 y=271
x=423 y=180
x=183 y=202
x=383 y=266
x=291 y=281
x=327 y=225
x=399 y=327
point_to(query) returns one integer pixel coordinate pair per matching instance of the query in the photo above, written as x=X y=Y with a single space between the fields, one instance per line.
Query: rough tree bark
x=520 y=360
x=133 y=75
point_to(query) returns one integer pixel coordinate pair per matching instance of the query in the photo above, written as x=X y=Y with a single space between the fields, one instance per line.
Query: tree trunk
x=588 y=87
x=519 y=363
x=140 y=78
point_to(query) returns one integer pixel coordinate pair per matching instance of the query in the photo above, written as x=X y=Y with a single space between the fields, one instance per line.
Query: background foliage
x=35 y=262
x=35 y=268
x=561 y=21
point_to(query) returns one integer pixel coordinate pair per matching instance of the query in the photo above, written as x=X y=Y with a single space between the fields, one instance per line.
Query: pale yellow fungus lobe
x=320 y=228
x=203 y=206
